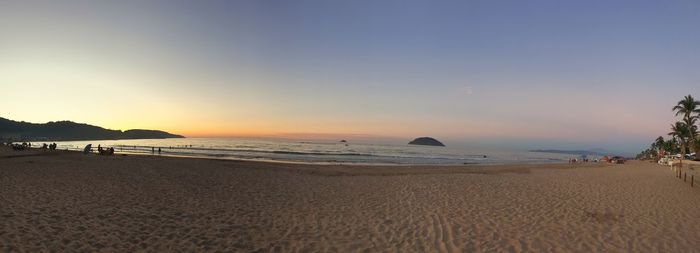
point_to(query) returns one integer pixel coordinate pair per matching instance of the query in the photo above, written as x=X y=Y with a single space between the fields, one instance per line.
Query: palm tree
x=679 y=131
x=659 y=143
x=692 y=131
x=672 y=146
x=688 y=106
x=690 y=124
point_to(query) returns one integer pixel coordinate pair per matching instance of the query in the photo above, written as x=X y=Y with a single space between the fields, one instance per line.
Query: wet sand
x=65 y=201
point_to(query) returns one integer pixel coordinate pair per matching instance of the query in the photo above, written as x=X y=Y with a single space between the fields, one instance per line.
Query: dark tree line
x=683 y=138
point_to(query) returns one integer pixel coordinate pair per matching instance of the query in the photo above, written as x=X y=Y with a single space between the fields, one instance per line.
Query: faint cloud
x=466 y=90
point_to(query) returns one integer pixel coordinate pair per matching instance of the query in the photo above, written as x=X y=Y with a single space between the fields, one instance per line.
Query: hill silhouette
x=71 y=131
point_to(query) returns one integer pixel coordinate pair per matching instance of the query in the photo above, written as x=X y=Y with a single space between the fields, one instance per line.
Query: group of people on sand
x=27 y=145
x=19 y=147
x=582 y=160
x=51 y=146
x=105 y=151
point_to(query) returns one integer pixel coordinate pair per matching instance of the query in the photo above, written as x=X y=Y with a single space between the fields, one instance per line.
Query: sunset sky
x=563 y=74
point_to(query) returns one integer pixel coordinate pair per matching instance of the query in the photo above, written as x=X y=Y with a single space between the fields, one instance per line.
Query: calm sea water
x=317 y=152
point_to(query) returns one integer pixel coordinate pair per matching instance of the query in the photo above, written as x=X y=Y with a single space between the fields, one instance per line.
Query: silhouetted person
x=159 y=151
x=153 y=150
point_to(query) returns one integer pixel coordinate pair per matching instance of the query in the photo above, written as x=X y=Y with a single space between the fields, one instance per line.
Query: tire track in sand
x=443 y=234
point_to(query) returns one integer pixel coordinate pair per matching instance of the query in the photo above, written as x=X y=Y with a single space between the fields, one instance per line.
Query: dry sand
x=65 y=201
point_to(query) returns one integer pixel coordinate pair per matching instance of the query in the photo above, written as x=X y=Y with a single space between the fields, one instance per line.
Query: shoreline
x=316 y=168
x=126 y=153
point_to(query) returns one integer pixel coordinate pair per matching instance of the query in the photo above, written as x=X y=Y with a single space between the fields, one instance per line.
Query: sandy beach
x=65 y=201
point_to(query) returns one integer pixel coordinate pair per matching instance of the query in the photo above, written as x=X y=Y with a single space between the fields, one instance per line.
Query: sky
x=527 y=74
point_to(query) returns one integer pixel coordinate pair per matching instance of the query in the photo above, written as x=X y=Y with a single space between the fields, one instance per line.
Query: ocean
x=321 y=152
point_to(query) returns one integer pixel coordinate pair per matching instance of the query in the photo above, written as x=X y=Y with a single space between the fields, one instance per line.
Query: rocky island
x=426 y=141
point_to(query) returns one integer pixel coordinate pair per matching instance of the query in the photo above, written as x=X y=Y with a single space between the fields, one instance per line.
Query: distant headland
x=427 y=141
x=11 y=130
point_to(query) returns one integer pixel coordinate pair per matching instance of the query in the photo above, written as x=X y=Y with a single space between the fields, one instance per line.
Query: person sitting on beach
x=23 y=146
x=18 y=147
x=87 y=149
x=44 y=146
x=111 y=151
x=53 y=146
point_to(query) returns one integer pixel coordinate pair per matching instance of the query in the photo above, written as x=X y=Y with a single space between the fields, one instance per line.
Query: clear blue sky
x=563 y=74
